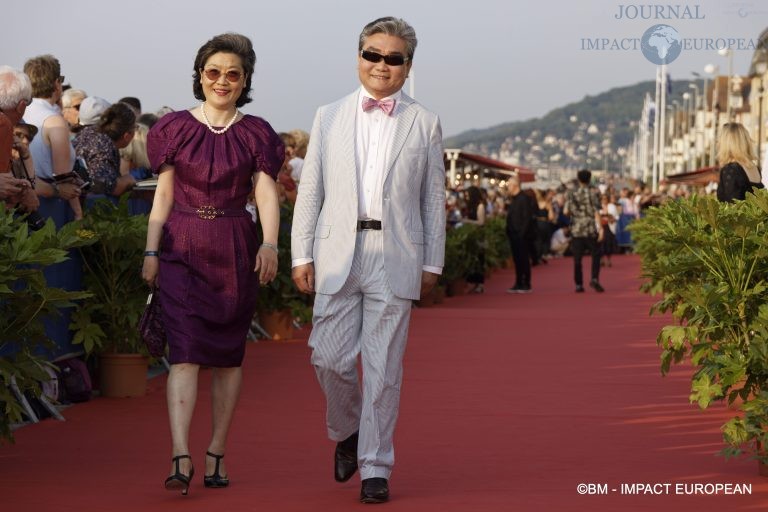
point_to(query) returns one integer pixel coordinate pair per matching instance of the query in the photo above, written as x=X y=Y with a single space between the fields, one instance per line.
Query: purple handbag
x=151 y=326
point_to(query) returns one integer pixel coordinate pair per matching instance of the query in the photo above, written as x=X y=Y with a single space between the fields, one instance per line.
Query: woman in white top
x=51 y=150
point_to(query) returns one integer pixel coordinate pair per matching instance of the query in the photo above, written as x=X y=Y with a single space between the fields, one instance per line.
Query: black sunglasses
x=389 y=60
x=213 y=75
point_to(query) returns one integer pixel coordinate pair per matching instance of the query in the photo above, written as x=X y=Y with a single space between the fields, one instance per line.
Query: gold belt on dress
x=208 y=212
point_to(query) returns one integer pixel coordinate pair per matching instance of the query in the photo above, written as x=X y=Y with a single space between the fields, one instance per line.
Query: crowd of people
x=540 y=226
x=65 y=148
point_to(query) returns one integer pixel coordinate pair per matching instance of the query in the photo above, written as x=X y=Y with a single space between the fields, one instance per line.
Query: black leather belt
x=368 y=224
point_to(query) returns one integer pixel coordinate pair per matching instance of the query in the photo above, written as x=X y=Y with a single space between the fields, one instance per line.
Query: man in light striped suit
x=369 y=237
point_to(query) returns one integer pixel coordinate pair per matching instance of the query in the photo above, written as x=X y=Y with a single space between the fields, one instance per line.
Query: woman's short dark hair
x=226 y=43
x=117 y=120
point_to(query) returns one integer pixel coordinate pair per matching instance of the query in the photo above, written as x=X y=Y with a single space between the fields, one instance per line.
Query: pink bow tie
x=387 y=106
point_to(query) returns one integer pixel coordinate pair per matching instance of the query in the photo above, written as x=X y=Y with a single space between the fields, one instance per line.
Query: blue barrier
x=68 y=274
x=623 y=236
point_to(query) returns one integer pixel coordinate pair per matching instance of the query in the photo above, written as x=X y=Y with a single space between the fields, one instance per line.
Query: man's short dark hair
x=584 y=176
x=132 y=101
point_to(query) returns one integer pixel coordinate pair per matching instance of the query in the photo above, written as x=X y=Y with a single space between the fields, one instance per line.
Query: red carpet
x=509 y=403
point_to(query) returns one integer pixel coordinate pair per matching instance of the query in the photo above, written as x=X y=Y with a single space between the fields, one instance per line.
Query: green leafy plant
x=108 y=319
x=281 y=294
x=458 y=252
x=25 y=299
x=497 y=248
x=709 y=260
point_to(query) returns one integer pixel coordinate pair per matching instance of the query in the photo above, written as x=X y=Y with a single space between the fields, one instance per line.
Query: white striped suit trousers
x=364 y=318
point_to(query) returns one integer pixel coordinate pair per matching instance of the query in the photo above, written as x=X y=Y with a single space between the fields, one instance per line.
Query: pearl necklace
x=208 y=123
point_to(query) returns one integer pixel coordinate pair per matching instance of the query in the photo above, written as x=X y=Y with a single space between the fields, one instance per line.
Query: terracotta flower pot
x=123 y=375
x=279 y=324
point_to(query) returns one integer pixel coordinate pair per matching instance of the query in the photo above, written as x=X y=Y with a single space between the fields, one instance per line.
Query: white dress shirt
x=373 y=135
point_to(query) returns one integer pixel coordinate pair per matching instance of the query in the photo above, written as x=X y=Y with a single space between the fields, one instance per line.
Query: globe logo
x=661 y=44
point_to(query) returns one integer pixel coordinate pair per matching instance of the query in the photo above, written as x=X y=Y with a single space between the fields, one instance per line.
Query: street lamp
x=670 y=150
x=694 y=133
x=760 y=69
x=726 y=52
x=714 y=106
x=675 y=110
x=695 y=96
x=685 y=136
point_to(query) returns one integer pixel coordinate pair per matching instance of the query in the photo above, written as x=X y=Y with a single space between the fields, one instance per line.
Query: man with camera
x=15 y=95
x=22 y=167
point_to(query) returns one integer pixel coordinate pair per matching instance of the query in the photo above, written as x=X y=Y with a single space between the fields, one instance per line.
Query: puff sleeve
x=269 y=150
x=162 y=142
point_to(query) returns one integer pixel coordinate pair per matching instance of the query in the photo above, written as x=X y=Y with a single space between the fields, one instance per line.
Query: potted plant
x=497 y=250
x=25 y=299
x=710 y=262
x=106 y=322
x=280 y=303
x=462 y=246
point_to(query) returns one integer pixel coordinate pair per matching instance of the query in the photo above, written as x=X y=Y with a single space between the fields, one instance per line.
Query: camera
x=78 y=175
x=81 y=170
x=35 y=221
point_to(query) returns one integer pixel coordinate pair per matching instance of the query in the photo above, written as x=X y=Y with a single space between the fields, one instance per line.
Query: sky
x=478 y=63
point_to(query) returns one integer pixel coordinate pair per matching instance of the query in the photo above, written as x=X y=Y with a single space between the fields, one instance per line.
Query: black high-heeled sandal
x=215 y=481
x=179 y=480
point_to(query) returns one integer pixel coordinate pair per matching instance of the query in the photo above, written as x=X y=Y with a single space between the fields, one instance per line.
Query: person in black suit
x=520 y=218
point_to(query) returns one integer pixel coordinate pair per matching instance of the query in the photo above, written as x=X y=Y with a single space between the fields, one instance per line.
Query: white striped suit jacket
x=413 y=199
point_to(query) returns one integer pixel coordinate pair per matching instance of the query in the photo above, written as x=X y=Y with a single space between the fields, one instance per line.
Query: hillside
x=592 y=132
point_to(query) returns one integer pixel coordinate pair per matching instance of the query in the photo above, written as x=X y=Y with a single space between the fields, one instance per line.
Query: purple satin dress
x=208 y=288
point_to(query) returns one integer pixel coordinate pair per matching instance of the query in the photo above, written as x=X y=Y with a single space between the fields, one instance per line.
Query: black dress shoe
x=345 y=459
x=595 y=285
x=374 y=490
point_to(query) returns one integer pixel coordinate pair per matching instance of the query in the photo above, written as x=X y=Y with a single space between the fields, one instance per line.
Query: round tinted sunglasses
x=389 y=60
x=214 y=74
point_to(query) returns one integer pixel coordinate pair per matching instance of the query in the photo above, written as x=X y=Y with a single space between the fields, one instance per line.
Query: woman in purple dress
x=202 y=249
